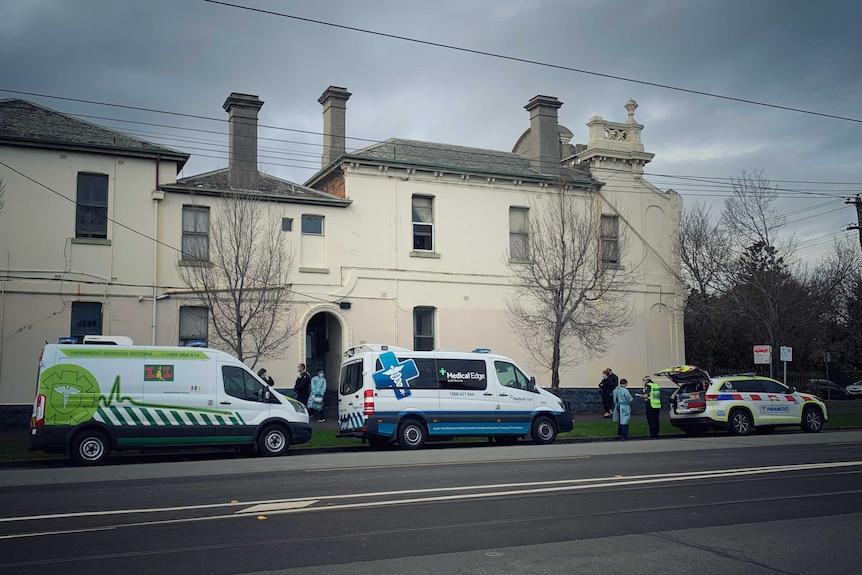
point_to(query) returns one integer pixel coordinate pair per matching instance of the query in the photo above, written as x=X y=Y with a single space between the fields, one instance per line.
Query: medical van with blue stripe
x=393 y=395
x=92 y=399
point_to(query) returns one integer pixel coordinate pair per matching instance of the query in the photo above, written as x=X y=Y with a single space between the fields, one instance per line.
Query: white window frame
x=610 y=238
x=422 y=216
x=196 y=233
x=313 y=225
x=519 y=222
x=91 y=213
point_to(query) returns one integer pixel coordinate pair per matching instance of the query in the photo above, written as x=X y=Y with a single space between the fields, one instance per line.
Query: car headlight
x=298 y=406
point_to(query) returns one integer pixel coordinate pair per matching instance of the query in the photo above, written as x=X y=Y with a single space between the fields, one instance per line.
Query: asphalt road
x=782 y=503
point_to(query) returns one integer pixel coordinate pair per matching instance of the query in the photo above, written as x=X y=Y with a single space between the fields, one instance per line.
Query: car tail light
x=697 y=404
x=38 y=419
x=710 y=397
x=368 y=404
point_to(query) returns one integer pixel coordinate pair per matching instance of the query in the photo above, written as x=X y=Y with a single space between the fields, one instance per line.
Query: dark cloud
x=187 y=56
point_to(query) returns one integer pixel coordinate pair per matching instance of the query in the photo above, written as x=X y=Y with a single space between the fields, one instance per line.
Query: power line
x=721 y=183
x=534 y=62
x=134 y=231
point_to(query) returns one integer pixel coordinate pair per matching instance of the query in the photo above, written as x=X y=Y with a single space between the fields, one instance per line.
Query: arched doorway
x=323 y=346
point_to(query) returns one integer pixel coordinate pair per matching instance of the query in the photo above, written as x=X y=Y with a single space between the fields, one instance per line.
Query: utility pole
x=857 y=201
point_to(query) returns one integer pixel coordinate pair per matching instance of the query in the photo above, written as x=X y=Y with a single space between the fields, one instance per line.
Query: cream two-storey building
x=402 y=242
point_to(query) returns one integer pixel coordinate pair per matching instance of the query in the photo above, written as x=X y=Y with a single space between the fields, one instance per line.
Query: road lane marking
x=294 y=505
x=446 y=464
x=270 y=507
x=395 y=530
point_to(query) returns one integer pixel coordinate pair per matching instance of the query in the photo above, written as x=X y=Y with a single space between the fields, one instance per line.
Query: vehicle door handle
x=224 y=402
x=487 y=394
x=504 y=395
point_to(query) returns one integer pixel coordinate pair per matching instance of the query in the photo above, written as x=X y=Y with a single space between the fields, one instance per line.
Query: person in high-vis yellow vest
x=652 y=395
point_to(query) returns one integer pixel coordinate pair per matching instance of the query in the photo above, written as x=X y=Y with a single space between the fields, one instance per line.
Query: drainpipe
x=158 y=196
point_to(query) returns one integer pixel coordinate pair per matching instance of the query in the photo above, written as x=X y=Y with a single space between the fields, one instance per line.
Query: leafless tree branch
x=245 y=283
x=568 y=300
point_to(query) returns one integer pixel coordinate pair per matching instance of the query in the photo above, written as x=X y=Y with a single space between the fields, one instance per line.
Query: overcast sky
x=187 y=56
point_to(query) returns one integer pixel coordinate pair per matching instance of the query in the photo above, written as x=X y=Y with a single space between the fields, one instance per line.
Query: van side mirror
x=532 y=385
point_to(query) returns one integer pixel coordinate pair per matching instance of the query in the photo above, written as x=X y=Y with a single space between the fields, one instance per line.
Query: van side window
x=241 y=384
x=462 y=374
x=351 y=378
x=427 y=378
x=749 y=386
x=510 y=376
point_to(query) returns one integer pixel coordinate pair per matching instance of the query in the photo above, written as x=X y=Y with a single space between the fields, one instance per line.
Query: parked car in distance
x=827 y=389
x=738 y=403
x=855 y=389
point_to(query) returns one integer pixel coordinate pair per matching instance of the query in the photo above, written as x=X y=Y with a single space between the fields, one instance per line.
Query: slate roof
x=447 y=157
x=217 y=181
x=28 y=124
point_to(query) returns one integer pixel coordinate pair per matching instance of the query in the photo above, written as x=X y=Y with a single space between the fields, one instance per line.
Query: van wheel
x=544 y=431
x=90 y=447
x=411 y=434
x=272 y=441
x=812 y=420
x=740 y=422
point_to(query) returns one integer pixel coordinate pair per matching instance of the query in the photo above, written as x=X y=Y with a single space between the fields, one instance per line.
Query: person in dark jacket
x=302 y=387
x=606 y=387
x=263 y=375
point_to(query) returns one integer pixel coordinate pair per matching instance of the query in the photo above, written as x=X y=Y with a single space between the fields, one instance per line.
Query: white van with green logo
x=388 y=394
x=92 y=399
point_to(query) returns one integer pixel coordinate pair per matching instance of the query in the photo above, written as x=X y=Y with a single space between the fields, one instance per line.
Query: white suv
x=738 y=403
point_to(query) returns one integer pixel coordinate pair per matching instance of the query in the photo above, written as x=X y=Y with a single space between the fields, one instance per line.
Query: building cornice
x=16 y=142
x=352 y=161
x=270 y=197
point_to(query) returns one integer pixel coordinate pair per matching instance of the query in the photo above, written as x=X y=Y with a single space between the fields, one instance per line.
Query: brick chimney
x=242 y=110
x=544 y=132
x=334 y=101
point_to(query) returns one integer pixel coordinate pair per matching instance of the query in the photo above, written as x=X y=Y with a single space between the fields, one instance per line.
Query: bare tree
x=243 y=280
x=703 y=247
x=570 y=288
x=750 y=215
x=746 y=284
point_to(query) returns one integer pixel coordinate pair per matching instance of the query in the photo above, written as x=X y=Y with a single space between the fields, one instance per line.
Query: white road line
x=445 y=463
x=272 y=507
x=303 y=503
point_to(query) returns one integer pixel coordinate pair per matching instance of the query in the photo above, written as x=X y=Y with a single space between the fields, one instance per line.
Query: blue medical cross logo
x=395 y=374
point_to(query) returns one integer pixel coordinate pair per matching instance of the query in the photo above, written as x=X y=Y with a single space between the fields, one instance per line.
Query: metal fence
x=798 y=379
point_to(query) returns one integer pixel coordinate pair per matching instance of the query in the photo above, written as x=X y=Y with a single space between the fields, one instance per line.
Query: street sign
x=786 y=353
x=763 y=354
x=827 y=357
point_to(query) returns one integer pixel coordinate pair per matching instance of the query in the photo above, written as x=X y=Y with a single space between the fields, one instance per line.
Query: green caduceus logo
x=71 y=392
